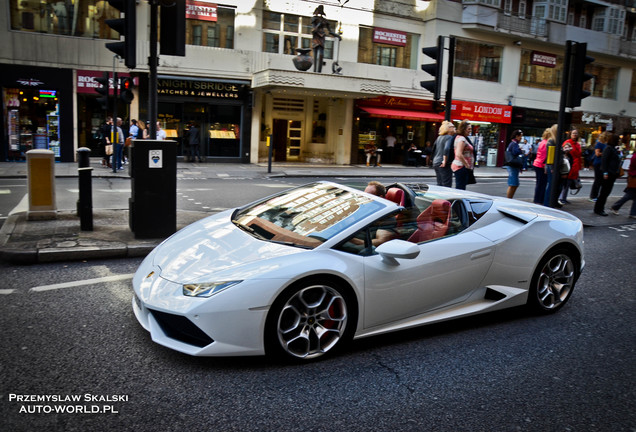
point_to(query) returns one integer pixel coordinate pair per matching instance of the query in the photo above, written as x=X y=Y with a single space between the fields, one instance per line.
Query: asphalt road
x=68 y=331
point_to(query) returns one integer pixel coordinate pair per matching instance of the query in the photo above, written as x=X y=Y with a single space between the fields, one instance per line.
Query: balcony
x=477 y=16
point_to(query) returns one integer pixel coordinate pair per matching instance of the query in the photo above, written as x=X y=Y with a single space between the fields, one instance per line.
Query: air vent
x=289 y=105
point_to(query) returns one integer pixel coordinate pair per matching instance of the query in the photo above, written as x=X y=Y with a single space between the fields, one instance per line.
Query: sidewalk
x=61 y=239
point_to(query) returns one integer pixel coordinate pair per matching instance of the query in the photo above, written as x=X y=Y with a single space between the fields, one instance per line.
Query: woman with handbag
x=630 y=191
x=514 y=165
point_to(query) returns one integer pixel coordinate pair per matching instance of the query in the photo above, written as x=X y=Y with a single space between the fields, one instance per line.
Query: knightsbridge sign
x=196 y=88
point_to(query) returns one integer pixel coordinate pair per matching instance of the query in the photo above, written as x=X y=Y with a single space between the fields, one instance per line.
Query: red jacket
x=576 y=154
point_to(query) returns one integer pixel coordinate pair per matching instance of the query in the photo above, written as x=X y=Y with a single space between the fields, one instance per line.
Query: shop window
x=398 y=54
x=211 y=29
x=85 y=18
x=319 y=121
x=476 y=60
x=294 y=31
x=538 y=76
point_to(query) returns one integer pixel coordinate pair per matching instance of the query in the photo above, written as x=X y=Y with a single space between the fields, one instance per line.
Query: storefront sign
x=29 y=82
x=543 y=59
x=212 y=89
x=391 y=37
x=200 y=10
x=86 y=80
x=483 y=112
x=397 y=103
x=589 y=118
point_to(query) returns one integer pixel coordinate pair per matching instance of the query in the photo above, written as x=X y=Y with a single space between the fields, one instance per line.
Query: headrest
x=396 y=195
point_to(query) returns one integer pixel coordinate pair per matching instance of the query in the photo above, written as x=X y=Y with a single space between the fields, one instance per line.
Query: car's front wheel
x=309 y=321
x=553 y=281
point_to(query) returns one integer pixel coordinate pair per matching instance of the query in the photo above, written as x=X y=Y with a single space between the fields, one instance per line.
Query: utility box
x=153 y=204
x=41 y=184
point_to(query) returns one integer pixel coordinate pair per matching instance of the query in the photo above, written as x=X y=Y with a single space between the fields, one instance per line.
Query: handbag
x=128 y=141
x=631 y=182
x=471 y=177
x=108 y=149
x=575 y=186
x=512 y=161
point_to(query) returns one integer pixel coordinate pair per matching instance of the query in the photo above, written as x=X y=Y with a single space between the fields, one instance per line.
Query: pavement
x=25 y=241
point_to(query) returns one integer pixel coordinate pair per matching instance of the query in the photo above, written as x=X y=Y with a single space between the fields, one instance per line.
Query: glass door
x=294 y=139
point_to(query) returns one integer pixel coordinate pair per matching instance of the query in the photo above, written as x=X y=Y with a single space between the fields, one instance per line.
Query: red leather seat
x=433 y=222
x=396 y=195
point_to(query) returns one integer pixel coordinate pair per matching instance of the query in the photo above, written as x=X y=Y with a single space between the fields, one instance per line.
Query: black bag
x=575 y=186
x=512 y=161
x=471 y=177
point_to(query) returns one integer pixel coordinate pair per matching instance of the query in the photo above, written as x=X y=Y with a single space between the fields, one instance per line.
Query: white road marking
x=6 y=291
x=82 y=282
x=5 y=191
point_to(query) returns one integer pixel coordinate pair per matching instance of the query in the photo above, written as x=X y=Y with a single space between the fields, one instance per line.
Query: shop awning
x=403 y=114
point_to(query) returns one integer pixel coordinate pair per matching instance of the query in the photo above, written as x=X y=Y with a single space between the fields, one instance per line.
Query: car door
x=445 y=272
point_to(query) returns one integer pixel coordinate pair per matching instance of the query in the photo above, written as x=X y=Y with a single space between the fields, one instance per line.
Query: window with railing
x=609 y=20
x=284 y=33
x=478 y=60
x=553 y=10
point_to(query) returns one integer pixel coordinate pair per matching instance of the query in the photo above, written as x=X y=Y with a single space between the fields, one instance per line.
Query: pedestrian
x=630 y=191
x=441 y=148
x=550 y=165
x=540 y=170
x=526 y=151
x=118 y=154
x=372 y=150
x=464 y=161
x=596 y=164
x=610 y=164
x=133 y=131
x=194 y=141
x=146 y=134
x=575 y=164
x=161 y=134
x=514 y=170
x=390 y=148
x=106 y=130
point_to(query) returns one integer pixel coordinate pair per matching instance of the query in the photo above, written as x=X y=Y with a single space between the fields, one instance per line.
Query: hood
x=210 y=247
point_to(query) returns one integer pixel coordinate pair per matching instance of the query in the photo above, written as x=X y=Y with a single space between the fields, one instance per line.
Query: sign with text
x=475 y=111
x=86 y=80
x=199 y=88
x=391 y=37
x=201 y=10
x=543 y=59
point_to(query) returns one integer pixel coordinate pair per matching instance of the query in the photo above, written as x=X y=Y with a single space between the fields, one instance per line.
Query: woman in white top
x=464 y=157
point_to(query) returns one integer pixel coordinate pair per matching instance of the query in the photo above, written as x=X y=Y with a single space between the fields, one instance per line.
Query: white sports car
x=300 y=273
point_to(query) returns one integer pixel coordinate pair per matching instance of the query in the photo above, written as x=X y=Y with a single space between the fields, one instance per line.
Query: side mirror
x=394 y=249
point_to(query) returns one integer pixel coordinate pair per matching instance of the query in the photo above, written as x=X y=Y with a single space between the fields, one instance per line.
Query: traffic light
x=125 y=90
x=173 y=28
x=126 y=27
x=577 y=76
x=434 y=69
x=103 y=90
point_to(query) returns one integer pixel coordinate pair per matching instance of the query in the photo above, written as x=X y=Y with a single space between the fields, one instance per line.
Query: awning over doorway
x=403 y=114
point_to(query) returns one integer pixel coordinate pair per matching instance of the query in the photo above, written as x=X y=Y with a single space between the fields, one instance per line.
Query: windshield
x=305 y=216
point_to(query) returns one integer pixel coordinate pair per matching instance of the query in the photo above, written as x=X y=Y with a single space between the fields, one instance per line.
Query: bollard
x=85 y=201
x=41 y=185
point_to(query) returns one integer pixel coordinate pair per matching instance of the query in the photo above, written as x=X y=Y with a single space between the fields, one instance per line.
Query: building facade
x=239 y=84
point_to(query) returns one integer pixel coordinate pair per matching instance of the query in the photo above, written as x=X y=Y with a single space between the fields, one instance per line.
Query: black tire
x=310 y=320
x=553 y=281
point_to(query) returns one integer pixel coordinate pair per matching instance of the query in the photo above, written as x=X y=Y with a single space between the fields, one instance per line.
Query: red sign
x=391 y=37
x=543 y=59
x=475 y=111
x=86 y=80
x=200 y=10
x=397 y=103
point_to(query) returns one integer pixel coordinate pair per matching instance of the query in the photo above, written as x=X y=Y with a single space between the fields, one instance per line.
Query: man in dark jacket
x=610 y=166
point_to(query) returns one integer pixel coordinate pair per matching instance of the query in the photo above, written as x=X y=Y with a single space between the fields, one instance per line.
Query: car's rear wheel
x=553 y=281
x=309 y=321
